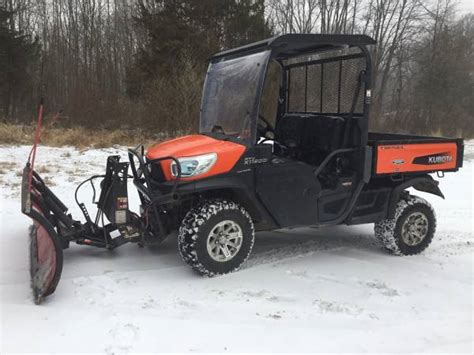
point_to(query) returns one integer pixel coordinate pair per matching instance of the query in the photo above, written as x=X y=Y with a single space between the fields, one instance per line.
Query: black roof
x=293 y=44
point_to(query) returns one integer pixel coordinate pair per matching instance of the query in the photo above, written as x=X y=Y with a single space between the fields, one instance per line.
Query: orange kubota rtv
x=283 y=142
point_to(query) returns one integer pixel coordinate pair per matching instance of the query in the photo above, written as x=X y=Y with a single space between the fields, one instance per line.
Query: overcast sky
x=466 y=6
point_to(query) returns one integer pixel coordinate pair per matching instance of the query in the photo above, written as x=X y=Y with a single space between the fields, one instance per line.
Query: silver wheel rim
x=224 y=241
x=415 y=228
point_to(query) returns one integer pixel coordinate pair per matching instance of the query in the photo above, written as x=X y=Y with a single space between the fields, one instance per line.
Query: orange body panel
x=228 y=153
x=399 y=158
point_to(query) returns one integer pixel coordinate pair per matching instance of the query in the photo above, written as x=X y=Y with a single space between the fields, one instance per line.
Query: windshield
x=231 y=95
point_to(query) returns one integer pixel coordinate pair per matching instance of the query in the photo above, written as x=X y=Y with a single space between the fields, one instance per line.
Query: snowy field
x=318 y=290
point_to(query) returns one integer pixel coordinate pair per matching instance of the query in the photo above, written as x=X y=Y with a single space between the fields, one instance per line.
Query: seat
x=313 y=136
x=290 y=128
x=323 y=133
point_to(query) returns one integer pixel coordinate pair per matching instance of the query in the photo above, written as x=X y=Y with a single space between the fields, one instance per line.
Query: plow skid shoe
x=46 y=255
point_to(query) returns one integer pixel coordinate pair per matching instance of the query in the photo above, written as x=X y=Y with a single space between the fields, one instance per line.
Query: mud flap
x=46 y=254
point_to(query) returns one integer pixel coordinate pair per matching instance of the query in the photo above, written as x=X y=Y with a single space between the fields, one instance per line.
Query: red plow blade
x=46 y=254
x=45 y=261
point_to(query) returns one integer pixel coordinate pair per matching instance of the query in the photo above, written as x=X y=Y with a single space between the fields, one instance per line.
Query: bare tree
x=89 y=47
x=392 y=23
x=294 y=16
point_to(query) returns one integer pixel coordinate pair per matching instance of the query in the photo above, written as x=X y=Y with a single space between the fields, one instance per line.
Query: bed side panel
x=402 y=158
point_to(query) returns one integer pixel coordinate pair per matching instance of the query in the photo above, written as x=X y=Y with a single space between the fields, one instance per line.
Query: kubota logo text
x=440 y=159
x=432 y=159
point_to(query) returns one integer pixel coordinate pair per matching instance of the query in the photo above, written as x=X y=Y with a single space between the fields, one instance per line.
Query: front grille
x=157 y=172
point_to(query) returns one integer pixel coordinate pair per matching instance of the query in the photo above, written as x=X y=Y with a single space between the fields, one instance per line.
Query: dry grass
x=78 y=137
x=13 y=134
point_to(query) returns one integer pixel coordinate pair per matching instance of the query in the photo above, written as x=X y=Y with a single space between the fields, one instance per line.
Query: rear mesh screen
x=325 y=86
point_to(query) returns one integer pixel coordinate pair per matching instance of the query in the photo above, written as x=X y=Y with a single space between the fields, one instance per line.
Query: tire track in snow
x=269 y=252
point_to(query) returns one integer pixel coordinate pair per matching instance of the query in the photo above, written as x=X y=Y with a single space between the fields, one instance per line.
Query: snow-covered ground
x=319 y=290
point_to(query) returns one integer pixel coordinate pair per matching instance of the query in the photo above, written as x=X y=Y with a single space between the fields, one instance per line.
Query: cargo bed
x=405 y=154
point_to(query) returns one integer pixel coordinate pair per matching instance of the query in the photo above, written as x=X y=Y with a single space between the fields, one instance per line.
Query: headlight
x=192 y=166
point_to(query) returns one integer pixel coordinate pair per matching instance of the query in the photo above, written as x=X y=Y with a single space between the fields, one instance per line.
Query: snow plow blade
x=46 y=255
x=54 y=228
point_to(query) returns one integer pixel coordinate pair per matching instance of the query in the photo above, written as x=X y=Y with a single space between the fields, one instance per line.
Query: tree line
x=141 y=63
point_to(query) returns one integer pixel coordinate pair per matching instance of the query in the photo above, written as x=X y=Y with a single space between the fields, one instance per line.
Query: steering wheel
x=264 y=127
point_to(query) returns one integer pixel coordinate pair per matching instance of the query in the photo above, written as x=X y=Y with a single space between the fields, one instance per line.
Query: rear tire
x=216 y=237
x=412 y=228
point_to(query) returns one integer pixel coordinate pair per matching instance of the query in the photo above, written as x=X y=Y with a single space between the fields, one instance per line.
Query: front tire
x=412 y=228
x=216 y=237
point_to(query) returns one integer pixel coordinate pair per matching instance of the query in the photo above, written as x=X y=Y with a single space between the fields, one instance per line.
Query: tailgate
x=413 y=157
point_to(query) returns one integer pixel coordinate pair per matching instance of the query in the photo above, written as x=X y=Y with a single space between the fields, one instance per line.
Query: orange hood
x=228 y=153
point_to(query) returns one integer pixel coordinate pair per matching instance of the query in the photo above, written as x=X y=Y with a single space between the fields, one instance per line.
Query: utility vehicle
x=283 y=142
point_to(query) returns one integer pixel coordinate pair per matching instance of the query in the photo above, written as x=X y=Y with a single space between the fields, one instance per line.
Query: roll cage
x=320 y=64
